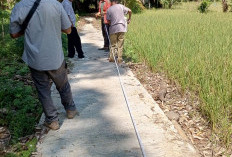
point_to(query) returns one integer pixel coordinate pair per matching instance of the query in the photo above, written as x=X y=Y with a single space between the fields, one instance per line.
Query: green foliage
x=23 y=110
x=131 y=55
x=4 y=14
x=31 y=145
x=135 y=5
x=65 y=44
x=9 y=48
x=8 y=4
x=194 y=53
x=28 y=149
x=18 y=100
x=167 y=4
x=10 y=155
x=77 y=17
x=203 y=8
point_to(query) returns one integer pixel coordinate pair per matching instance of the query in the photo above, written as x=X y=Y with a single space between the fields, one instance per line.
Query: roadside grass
x=20 y=109
x=193 y=49
x=24 y=151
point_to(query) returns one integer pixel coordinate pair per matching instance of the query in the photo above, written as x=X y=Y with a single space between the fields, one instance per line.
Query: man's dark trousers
x=104 y=34
x=42 y=81
x=74 y=41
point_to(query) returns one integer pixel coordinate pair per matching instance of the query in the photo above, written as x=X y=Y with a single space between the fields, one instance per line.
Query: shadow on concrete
x=92 y=133
x=95 y=132
x=90 y=69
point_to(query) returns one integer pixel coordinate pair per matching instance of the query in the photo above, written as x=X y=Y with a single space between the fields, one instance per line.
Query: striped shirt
x=69 y=10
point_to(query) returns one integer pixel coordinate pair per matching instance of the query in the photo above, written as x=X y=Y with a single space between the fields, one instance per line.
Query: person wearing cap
x=103 y=7
x=74 y=40
x=118 y=27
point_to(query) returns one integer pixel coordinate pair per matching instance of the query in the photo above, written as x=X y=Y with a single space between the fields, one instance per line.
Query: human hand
x=128 y=21
x=97 y=15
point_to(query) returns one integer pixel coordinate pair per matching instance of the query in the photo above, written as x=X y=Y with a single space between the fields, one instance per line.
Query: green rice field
x=194 y=49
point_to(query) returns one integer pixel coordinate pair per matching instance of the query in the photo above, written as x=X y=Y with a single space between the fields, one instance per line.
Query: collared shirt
x=69 y=10
x=42 y=39
x=115 y=14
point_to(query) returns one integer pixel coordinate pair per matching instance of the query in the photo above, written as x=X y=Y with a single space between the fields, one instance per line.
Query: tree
x=135 y=5
x=86 y=6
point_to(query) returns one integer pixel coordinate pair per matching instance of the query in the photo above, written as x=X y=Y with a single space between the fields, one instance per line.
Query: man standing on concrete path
x=43 y=53
x=74 y=40
x=103 y=7
x=118 y=27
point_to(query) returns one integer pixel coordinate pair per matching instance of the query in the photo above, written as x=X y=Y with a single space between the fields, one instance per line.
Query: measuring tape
x=127 y=102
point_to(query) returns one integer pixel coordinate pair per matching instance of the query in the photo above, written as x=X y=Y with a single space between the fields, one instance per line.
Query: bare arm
x=17 y=35
x=67 y=31
x=129 y=19
x=98 y=15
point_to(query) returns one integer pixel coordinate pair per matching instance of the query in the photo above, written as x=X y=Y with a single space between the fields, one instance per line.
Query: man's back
x=42 y=46
x=115 y=15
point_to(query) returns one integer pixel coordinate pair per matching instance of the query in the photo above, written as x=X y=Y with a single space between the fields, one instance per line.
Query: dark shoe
x=53 y=125
x=70 y=56
x=104 y=48
x=81 y=56
x=107 y=50
x=72 y=114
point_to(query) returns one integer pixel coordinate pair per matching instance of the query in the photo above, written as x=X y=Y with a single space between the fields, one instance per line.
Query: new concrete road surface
x=104 y=127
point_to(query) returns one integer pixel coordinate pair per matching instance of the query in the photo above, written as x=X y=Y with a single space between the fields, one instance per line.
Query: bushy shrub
x=77 y=16
x=22 y=110
x=135 y=5
x=19 y=106
x=167 y=4
x=203 y=8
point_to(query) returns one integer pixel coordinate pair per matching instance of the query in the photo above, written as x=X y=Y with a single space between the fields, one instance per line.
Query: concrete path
x=104 y=127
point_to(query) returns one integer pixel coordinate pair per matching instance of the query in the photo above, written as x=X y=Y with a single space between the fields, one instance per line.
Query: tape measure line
x=127 y=102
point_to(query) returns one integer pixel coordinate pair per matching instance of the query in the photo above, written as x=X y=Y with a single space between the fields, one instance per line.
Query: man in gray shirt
x=43 y=53
x=118 y=27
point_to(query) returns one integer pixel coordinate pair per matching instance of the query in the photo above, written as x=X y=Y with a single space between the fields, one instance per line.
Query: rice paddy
x=194 y=49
